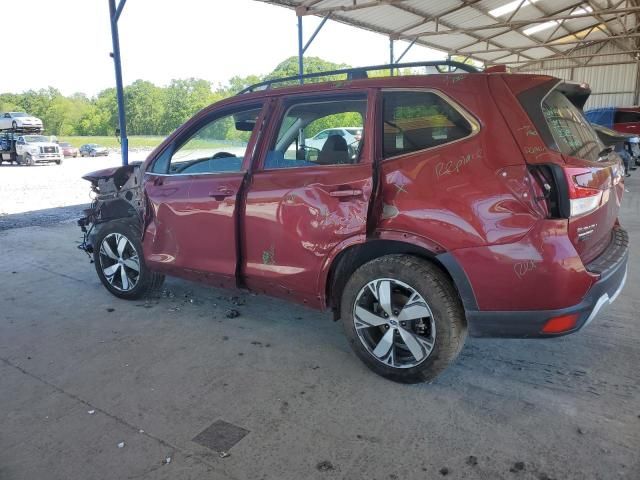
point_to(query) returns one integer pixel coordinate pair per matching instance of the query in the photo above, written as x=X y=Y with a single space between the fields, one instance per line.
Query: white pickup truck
x=32 y=149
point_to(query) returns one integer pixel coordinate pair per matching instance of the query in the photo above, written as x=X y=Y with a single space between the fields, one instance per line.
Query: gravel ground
x=49 y=193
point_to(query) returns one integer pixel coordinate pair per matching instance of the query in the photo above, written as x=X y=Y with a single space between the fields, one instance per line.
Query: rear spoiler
x=576 y=92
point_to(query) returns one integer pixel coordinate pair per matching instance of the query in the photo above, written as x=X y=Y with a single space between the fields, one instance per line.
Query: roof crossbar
x=442 y=66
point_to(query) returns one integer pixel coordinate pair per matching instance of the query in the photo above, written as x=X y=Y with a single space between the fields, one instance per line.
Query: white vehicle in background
x=19 y=121
x=351 y=135
x=32 y=149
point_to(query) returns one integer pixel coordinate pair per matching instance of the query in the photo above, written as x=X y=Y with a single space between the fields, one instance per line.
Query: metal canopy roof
x=517 y=33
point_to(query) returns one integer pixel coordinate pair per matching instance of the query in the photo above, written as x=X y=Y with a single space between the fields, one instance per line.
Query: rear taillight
x=582 y=198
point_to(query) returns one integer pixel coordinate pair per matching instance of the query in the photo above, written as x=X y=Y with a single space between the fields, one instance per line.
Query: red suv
x=473 y=202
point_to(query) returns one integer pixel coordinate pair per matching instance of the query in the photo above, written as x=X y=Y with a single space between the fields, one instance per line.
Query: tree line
x=151 y=110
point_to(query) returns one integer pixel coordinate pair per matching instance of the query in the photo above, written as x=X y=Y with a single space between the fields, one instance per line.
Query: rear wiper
x=605 y=153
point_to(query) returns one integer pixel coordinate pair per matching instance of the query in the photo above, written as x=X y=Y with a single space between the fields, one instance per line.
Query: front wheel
x=28 y=159
x=120 y=263
x=403 y=318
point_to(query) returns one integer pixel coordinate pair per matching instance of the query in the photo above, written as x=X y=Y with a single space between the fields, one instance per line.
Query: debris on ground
x=580 y=431
x=166 y=461
x=225 y=338
x=232 y=313
x=256 y=343
x=91 y=412
x=444 y=471
x=140 y=431
x=111 y=310
x=472 y=460
x=517 y=467
x=121 y=445
x=325 y=466
x=239 y=301
x=224 y=454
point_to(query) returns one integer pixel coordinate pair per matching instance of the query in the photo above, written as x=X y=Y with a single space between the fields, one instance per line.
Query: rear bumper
x=611 y=265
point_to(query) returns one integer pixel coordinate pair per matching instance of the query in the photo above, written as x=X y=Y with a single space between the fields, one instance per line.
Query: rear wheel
x=120 y=263
x=403 y=318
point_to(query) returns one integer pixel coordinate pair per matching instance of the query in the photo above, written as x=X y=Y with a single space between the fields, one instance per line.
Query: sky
x=66 y=43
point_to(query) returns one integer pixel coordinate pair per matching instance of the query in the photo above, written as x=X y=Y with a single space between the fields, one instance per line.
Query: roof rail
x=442 y=66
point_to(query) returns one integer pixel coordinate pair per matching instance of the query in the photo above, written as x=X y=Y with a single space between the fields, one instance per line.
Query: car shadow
x=41 y=218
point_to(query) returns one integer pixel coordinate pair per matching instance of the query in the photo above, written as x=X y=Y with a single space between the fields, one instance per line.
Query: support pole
x=405 y=52
x=391 y=59
x=300 y=51
x=636 y=93
x=114 y=15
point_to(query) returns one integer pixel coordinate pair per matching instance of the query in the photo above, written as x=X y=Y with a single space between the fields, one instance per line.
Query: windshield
x=571 y=131
x=18 y=114
x=35 y=138
x=354 y=131
x=65 y=144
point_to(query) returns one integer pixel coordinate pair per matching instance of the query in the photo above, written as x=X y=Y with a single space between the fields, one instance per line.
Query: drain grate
x=220 y=436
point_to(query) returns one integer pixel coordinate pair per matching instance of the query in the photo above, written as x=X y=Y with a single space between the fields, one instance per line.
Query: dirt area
x=202 y=383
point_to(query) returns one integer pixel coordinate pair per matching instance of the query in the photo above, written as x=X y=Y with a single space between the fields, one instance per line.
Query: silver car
x=19 y=120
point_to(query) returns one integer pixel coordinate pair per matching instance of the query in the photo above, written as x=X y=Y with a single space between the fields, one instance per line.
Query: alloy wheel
x=119 y=262
x=394 y=323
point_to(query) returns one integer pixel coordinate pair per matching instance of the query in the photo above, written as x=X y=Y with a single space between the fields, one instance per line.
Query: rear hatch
x=579 y=178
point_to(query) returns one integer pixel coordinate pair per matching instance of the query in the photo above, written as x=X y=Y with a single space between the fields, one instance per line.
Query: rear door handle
x=346 y=193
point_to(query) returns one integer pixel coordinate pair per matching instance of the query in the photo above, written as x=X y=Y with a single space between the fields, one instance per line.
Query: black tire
x=28 y=159
x=92 y=154
x=442 y=299
x=14 y=125
x=147 y=281
x=58 y=162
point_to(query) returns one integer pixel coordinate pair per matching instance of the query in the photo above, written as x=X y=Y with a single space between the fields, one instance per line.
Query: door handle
x=346 y=193
x=222 y=193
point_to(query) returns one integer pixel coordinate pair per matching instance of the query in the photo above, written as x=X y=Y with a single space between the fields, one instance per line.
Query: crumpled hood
x=120 y=174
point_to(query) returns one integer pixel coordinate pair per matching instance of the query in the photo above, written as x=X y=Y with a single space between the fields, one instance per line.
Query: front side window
x=571 y=132
x=218 y=146
x=309 y=134
x=418 y=120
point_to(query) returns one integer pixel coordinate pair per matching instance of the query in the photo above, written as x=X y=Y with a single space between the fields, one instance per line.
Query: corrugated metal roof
x=474 y=29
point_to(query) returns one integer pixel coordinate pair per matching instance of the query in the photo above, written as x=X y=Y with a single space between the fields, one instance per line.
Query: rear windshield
x=571 y=131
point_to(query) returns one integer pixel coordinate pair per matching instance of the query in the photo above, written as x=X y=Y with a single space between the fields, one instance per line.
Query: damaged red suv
x=479 y=203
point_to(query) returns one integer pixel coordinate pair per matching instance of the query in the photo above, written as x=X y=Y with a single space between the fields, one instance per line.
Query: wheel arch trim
x=338 y=263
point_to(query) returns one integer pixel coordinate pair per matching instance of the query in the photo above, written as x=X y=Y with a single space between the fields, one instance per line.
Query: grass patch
x=135 y=141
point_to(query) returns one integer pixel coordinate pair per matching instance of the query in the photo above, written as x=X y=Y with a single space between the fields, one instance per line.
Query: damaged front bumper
x=117 y=194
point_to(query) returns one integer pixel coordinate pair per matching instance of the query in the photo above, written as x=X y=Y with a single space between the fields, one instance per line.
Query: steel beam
x=122 y=120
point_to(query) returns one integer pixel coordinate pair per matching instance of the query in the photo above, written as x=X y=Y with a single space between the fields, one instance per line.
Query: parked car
x=624 y=144
x=19 y=120
x=620 y=119
x=478 y=203
x=92 y=150
x=68 y=150
x=351 y=135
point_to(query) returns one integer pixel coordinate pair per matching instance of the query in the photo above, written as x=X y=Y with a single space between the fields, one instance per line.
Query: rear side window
x=571 y=132
x=418 y=120
x=627 y=117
